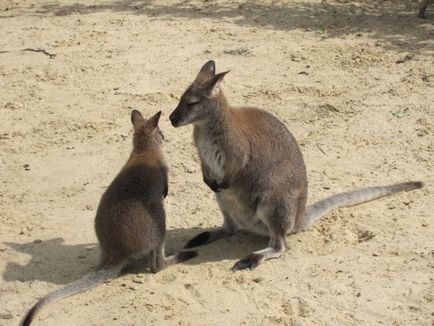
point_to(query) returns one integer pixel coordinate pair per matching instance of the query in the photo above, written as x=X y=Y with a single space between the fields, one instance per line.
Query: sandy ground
x=353 y=81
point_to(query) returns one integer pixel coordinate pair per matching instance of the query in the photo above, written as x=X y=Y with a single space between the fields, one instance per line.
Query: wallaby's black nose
x=174 y=119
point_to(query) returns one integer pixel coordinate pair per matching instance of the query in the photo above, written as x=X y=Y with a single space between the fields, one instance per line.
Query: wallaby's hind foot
x=206 y=237
x=275 y=249
x=158 y=261
x=183 y=256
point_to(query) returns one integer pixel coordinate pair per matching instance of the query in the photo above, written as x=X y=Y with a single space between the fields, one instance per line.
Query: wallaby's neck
x=219 y=118
x=144 y=143
x=151 y=156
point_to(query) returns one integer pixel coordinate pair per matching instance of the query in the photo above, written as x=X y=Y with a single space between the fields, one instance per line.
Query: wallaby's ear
x=153 y=122
x=212 y=85
x=207 y=71
x=208 y=67
x=136 y=116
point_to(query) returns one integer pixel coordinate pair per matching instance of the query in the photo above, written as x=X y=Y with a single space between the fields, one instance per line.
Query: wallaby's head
x=146 y=132
x=200 y=98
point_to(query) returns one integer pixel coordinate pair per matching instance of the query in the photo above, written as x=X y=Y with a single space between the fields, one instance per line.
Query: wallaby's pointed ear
x=207 y=71
x=136 y=116
x=208 y=67
x=214 y=83
x=153 y=122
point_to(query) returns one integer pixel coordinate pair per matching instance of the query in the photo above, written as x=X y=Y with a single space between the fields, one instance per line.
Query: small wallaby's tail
x=86 y=283
x=351 y=198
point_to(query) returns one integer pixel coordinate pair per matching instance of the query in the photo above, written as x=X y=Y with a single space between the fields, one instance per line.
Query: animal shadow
x=55 y=262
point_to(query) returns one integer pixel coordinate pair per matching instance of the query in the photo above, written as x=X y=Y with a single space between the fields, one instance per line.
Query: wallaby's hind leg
x=229 y=228
x=158 y=261
x=276 y=247
x=280 y=221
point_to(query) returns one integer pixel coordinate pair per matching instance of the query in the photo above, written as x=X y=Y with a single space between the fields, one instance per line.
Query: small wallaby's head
x=146 y=132
x=200 y=98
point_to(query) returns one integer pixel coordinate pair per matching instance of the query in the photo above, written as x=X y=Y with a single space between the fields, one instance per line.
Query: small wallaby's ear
x=212 y=86
x=207 y=71
x=153 y=122
x=136 y=116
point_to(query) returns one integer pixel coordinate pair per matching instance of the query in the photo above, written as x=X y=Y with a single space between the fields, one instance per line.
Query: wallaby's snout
x=176 y=116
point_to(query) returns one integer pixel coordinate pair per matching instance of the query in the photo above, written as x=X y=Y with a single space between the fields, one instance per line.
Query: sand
x=352 y=80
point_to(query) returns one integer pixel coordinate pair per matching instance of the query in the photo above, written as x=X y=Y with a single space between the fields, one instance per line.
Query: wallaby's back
x=131 y=216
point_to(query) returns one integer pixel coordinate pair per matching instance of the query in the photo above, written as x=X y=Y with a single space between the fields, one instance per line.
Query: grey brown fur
x=130 y=221
x=422 y=8
x=256 y=169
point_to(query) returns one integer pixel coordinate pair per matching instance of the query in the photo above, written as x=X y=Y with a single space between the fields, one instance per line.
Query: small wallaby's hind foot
x=206 y=237
x=158 y=261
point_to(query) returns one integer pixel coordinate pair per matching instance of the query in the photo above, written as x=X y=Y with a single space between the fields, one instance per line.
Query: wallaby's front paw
x=187 y=255
x=215 y=186
x=223 y=185
x=198 y=240
x=251 y=262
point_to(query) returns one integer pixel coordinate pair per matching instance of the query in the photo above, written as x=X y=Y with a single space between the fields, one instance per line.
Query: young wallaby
x=130 y=221
x=255 y=167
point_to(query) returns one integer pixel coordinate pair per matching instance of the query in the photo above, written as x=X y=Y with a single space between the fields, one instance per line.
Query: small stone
x=132 y=288
x=139 y=281
x=37 y=241
x=303 y=308
x=258 y=279
x=6 y=316
x=26 y=167
x=82 y=256
x=365 y=236
x=375 y=254
x=240 y=51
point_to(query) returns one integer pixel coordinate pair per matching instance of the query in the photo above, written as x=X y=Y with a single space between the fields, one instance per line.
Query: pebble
x=6 y=316
x=137 y=280
x=37 y=241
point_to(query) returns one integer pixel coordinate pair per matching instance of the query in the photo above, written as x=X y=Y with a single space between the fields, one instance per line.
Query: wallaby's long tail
x=86 y=283
x=351 y=198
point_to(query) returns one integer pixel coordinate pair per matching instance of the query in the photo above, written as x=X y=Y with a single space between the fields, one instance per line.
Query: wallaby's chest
x=212 y=157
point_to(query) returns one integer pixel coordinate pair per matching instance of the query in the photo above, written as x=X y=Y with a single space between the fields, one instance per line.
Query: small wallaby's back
x=130 y=221
x=255 y=167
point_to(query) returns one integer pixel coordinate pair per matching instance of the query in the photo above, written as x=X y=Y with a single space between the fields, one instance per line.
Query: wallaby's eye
x=193 y=103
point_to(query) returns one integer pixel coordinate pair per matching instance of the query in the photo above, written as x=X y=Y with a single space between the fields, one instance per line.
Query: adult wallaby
x=255 y=167
x=130 y=221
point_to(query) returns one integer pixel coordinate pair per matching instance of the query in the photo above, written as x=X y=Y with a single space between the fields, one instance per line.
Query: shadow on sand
x=391 y=21
x=55 y=262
